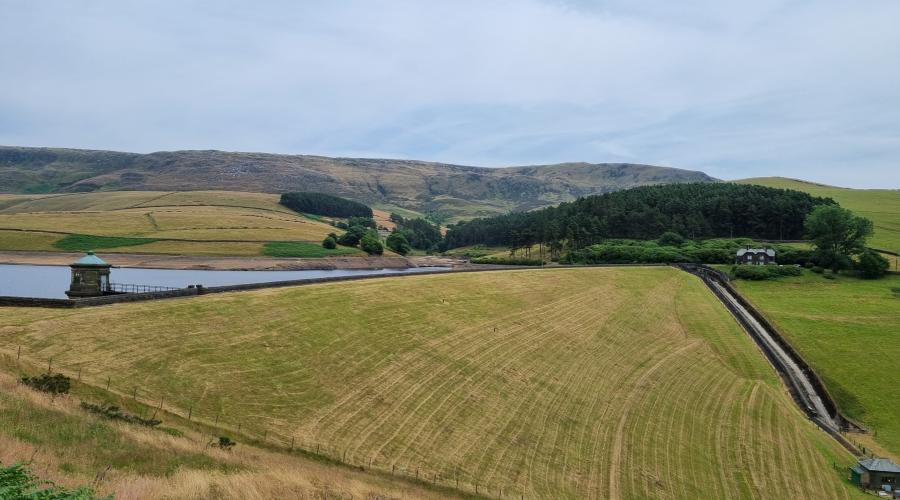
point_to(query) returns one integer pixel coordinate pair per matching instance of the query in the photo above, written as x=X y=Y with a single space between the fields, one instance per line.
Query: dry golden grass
x=71 y=447
x=27 y=240
x=118 y=200
x=194 y=216
x=575 y=383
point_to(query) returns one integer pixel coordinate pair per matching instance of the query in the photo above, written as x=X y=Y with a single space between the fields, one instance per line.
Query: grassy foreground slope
x=849 y=331
x=70 y=447
x=882 y=206
x=193 y=222
x=571 y=383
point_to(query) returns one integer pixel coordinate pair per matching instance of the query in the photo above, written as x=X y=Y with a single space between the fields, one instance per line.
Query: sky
x=803 y=89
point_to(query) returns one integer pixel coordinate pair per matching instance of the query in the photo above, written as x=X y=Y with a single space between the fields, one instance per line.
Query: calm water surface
x=53 y=281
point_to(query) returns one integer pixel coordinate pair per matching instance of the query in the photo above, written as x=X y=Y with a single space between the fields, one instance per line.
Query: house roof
x=90 y=260
x=768 y=251
x=879 y=465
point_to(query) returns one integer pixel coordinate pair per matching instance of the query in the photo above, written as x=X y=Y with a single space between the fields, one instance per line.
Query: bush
x=371 y=244
x=54 y=384
x=818 y=269
x=225 y=443
x=116 y=413
x=325 y=204
x=352 y=237
x=671 y=239
x=397 y=242
x=765 y=272
x=872 y=265
x=18 y=482
x=329 y=242
x=366 y=222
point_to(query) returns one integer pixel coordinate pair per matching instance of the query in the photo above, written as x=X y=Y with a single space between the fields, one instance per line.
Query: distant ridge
x=453 y=191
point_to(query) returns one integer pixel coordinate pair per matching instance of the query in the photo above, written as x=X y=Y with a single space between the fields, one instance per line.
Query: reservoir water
x=52 y=281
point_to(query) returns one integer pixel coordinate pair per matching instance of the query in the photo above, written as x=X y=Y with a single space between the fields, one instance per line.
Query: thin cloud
x=802 y=89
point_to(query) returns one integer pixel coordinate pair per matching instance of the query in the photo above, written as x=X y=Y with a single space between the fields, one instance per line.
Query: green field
x=882 y=206
x=848 y=329
x=565 y=383
x=188 y=223
x=305 y=250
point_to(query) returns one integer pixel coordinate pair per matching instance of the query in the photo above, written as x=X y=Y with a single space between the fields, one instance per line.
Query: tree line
x=694 y=210
x=325 y=204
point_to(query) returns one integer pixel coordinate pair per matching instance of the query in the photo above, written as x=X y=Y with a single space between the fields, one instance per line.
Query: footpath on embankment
x=804 y=385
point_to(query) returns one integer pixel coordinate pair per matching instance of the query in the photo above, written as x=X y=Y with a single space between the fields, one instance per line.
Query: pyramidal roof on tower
x=90 y=260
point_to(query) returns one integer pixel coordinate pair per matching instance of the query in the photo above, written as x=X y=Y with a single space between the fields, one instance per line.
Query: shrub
x=225 y=443
x=329 y=242
x=871 y=265
x=54 y=384
x=818 y=269
x=765 y=272
x=397 y=242
x=18 y=482
x=671 y=239
x=352 y=237
x=371 y=244
x=366 y=222
x=116 y=413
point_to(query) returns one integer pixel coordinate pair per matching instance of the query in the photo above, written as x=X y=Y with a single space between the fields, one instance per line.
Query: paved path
x=809 y=395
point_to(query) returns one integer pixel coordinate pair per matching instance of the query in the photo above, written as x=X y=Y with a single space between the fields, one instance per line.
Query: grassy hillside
x=848 y=330
x=452 y=191
x=69 y=446
x=192 y=223
x=567 y=383
x=880 y=205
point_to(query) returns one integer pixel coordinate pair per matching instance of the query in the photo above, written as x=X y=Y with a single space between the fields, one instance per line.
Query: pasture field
x=882 y=206
x=556 y=383
x=189 y=223
x=848 y=329
x=71 y=447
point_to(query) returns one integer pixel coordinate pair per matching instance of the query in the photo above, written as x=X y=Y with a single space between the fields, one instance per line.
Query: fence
x=131 y=288
x=146 y=404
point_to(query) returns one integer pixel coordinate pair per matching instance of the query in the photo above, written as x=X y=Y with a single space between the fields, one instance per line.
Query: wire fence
x=149 y=405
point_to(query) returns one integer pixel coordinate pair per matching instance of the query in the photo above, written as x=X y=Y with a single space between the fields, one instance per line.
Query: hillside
x=452 y=191
x=151 y=222
x=566 y=383
x=834 y=323
x=882 y=206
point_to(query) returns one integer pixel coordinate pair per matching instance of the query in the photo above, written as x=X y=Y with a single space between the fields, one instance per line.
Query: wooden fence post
x=50 y=365
x=18 y=353
x=108 y=380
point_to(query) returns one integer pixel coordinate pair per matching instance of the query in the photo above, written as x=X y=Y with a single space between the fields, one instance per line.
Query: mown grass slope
x=67 y=445
x=573 y=383
x=204 y=223
x=849 y=331
x=882 y=206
